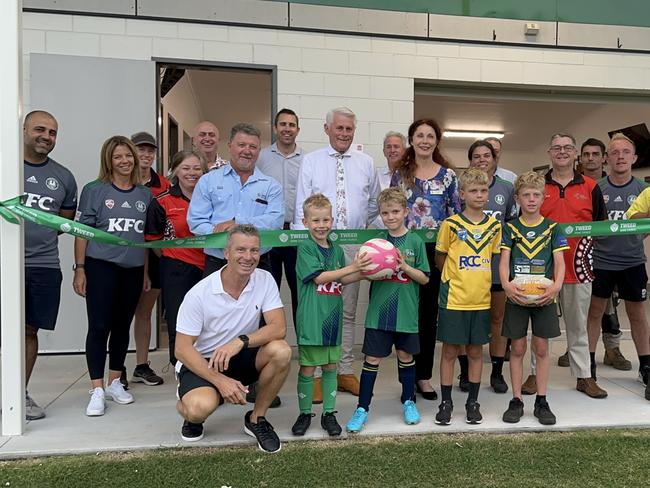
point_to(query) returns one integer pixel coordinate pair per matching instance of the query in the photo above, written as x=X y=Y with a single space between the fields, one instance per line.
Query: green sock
x=328 y=381
x=306 y=392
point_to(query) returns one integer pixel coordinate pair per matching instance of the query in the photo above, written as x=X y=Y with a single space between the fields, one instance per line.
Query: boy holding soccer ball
x=464 y=249
x=532 y=271
x=321 y=272
x=392 y=316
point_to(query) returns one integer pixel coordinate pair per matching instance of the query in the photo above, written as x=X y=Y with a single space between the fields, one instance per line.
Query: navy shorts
x=42 y=296
x=241 y=368
x=631 y=283
x=379 y=343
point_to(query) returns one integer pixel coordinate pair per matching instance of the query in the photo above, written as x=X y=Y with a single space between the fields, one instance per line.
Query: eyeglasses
x=567 y=148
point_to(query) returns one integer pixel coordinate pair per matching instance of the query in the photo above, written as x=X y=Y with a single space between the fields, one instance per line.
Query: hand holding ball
x=532 y=286
x=385 y=262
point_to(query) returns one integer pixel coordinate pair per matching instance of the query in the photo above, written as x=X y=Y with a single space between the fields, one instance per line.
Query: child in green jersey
x=532 y=247
x=392 y=316
x=321 y=272
x=464 y=249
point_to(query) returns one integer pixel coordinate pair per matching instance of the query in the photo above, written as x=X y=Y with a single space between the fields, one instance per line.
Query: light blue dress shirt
x=219 y=196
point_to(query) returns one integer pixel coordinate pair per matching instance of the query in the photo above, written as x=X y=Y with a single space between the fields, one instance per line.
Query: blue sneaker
x=411 y=414
x=357 y=421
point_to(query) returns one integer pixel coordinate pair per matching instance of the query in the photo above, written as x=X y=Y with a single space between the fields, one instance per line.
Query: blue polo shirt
x=219 y=196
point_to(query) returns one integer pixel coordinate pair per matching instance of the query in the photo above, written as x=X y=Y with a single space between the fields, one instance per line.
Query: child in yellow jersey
x=464 y=249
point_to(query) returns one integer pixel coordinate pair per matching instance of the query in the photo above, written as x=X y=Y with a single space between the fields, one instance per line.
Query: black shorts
x=631 y=283
x=379 y=343
x=154 y=270
x=42 y=296
x=545 y=322
x=241 y=368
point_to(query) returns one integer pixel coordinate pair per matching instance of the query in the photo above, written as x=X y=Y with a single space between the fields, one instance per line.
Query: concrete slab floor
x=60 y=384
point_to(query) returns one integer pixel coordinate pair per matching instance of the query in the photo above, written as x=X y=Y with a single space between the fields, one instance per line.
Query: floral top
x=430 y=201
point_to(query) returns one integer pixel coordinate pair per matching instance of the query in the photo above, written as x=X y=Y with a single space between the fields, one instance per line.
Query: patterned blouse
x=430 y=201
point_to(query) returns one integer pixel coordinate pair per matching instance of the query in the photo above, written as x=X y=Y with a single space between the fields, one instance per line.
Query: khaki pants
x=350 y=299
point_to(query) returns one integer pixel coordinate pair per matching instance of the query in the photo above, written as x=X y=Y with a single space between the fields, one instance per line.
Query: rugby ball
x=384 y=259
x=533 y=286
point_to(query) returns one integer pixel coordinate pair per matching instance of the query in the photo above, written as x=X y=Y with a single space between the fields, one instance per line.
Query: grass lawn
x=616 y=458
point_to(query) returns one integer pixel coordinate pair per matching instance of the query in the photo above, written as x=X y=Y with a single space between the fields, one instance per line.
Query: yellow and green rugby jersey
x=467 y=273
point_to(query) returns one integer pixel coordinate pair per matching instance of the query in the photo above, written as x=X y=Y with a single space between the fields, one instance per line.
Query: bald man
x=206 y=140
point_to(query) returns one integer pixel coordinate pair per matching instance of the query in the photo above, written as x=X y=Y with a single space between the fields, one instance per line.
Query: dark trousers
x=428 y=319
x=286 y=256
x=176 y=278
x=213 y=264
x=112 y=294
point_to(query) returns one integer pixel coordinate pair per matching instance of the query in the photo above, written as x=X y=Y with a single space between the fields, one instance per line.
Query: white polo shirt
x=217 y=318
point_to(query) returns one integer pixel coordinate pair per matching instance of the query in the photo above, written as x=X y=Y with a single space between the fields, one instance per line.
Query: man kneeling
x=221 y=347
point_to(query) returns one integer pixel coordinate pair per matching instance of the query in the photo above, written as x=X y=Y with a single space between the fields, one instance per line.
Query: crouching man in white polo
x=221 y=347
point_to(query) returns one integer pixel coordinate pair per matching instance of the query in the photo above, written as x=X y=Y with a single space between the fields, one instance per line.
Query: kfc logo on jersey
x=493 y=213
x=34 y=200
x=109 y=203
x=331 y=288
x=125 y=225
x=400 y=277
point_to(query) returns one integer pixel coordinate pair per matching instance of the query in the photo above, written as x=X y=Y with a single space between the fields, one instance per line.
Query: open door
x=92 y=99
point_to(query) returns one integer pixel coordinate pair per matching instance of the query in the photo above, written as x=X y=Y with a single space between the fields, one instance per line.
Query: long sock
x=445 y=391
x=406 y=375
x=540 y=398
x=328 y=382
x=367 y=384
x=644 y=361
x=497 y=365
x=464 y=365
x=592 y=364
x=305 y=392
x=473 y=391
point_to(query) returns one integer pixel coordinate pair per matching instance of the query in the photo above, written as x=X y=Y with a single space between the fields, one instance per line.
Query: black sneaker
x=474 y=416
x=498 y=383
x=445 y=411
x=251 y=396
x=191 y=432
x=267 y=439
x=144 y=374
x=329 y=423
x=463 y=383
x=543 y=413
x=302 y=424
x=515 y=411
x=123 y=380
x=644 y=374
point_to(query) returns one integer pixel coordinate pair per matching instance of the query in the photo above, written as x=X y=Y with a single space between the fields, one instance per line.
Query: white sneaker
x=96 y=405
x=116 y=392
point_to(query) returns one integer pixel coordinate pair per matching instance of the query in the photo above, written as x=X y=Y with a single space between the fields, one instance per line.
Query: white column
x=11 y=240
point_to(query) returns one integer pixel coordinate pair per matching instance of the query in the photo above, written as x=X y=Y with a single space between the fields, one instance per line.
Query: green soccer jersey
x=394 y=302
x=532 y=246
x=320 y=307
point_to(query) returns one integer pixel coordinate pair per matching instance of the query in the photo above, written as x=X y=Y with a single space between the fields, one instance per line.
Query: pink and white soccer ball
x=384 y=259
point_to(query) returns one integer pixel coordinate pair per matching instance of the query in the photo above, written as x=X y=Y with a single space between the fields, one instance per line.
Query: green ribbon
x=13 y=208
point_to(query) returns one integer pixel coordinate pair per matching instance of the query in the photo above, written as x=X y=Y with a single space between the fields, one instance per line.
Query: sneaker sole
x=117 y=400
x=137 y=379
x=545 y=422
x=473 y=422
x=94 y=413
x=511 y=421
x=439 y=422
x=192 y=439
x=250 y=433
x=35 y=417
x=415 y=422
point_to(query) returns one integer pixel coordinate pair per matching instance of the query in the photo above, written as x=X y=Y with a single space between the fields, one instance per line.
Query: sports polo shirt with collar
x=215 y=318
x=219 y=196
x=579 y=201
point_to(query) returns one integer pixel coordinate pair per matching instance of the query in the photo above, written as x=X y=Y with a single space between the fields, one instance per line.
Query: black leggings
x=112 y=294
x=428 y=319
x=176 y=279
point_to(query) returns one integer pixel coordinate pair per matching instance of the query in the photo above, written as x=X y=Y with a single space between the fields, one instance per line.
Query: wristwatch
x=244 y=339
x=77 y=266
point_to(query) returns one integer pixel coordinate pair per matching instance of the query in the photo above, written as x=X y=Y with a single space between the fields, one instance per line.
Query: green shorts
x=463 y=326
x=546 y=324
x=318 y=355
